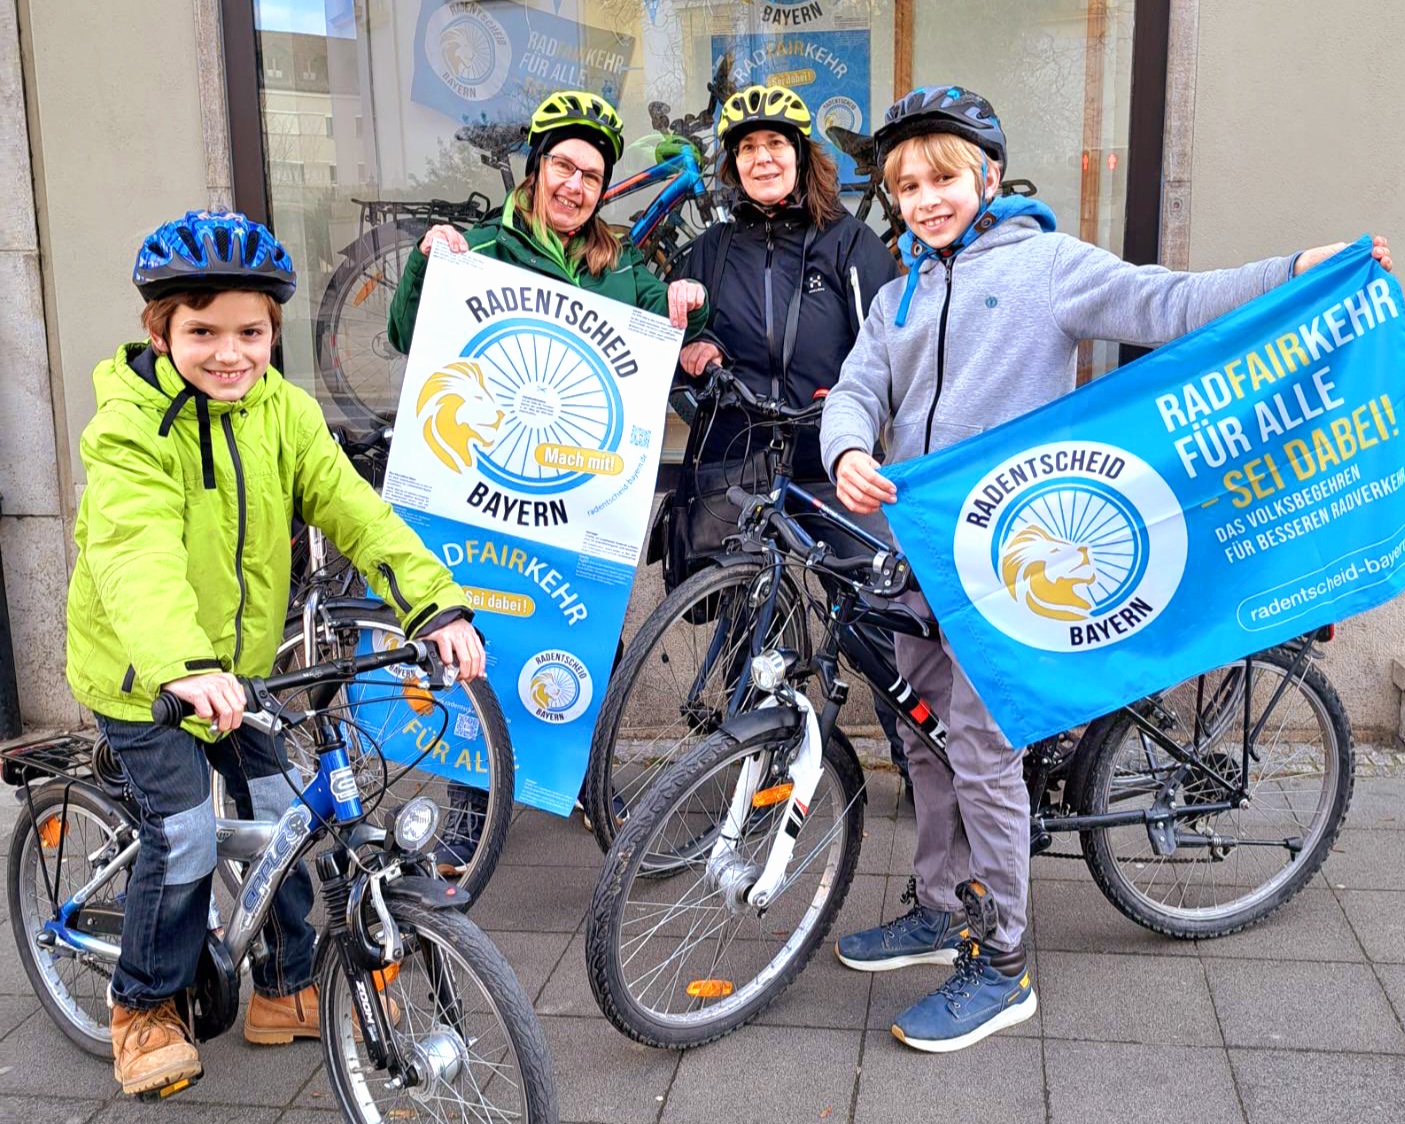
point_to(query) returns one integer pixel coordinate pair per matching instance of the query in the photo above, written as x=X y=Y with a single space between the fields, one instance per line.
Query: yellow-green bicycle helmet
x=762 y=107
x=576 y=113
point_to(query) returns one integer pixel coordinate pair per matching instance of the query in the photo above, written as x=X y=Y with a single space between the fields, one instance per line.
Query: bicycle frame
x=270 y=848
x=686 y=179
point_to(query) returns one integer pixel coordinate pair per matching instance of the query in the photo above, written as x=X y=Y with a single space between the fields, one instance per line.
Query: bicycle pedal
x=151 y=1096
x=981 y=915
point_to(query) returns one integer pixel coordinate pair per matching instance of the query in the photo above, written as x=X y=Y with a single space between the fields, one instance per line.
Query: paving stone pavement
x=1297 y=1020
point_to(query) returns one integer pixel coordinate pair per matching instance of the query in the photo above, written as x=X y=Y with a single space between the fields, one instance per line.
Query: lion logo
x=464 y=49
x=458 y=411
x=1044 y=573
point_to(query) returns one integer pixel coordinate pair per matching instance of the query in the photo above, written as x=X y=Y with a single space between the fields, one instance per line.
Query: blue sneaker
x=919 y=936
x=976 y=1001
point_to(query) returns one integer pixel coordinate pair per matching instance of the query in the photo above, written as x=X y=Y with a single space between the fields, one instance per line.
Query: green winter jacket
x=629 y=282
x=184 y=556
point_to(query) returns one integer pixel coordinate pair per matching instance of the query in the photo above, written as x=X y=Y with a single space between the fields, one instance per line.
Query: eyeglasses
x=749 y=149
x=568 y=168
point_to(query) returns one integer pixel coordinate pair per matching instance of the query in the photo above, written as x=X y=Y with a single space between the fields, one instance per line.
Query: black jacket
x=763 y=266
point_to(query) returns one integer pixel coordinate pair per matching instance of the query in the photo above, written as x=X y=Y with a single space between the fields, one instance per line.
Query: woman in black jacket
x=790 y=278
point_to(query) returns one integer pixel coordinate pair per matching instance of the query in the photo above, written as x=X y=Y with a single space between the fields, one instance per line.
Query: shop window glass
x=362 y=100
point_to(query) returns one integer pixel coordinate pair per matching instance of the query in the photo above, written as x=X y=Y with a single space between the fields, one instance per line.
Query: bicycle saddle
x=857 y=145
x=495 y=140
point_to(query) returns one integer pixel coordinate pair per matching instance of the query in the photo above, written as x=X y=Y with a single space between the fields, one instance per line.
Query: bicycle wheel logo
x=1071 y=546
x=840 y=111
x=468 y=49
x=458 y=414
x=555 y=686
x=554 y=391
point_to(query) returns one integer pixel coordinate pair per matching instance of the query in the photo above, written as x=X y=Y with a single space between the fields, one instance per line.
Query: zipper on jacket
x=941 y=355
x=770 y=312
x=239 y=543
x=389 y=575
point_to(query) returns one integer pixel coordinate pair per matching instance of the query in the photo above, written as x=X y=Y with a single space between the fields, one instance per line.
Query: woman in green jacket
x=551 y=225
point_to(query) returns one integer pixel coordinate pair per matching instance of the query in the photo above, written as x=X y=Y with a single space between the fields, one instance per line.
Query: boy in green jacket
x=196 y=458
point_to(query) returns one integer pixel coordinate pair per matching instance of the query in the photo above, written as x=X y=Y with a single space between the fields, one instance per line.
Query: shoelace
x=164 y=1018
x=908 y=919
x=965 y=977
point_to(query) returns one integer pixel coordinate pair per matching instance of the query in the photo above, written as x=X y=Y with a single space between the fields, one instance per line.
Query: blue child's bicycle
x=420 y=1014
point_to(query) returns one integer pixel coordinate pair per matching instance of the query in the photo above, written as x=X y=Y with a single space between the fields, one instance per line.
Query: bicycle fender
x=427 y=893
x=784 y=721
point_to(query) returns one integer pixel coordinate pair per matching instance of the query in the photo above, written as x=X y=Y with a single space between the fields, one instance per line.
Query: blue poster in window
x=494 y=61
x=1230 y=491
x=828 y=69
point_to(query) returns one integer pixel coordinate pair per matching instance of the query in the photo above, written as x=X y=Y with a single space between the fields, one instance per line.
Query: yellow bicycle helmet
x=576 y=113
x=762 y=107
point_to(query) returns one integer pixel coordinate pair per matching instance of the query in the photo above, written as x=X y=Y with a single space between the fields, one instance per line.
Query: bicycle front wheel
x=1233 y=868
x=458 y=1015
x=473 y=828
x=682 y=960
x=673 y=686
x=73 y=834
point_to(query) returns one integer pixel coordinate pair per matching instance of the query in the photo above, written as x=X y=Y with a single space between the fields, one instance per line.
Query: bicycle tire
x=623 y=999
x=345 y=627
x=693 y=611
x=73 y=993
x=1119 y=858
x=356 y=363
x=453 y=950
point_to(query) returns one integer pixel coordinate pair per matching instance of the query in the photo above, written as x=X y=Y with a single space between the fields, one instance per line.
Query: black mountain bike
x=1200 y=809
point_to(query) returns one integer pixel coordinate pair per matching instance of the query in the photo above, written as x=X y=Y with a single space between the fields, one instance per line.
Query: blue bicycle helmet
x=213 y=250
x=942 y=109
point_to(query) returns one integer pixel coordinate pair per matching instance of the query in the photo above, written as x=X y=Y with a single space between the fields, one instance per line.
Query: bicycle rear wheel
x=1230 y=869
x=682 y=960
x=355 y=361
x=459 y=1015
x=477 y=727
x=87 y=831
x=672 y=688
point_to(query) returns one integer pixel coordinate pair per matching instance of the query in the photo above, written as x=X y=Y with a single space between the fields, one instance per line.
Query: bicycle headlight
x=770 y=668
x=415 y=823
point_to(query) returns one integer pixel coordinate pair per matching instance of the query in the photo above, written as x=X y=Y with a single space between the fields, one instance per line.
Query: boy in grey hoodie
x=984 y=328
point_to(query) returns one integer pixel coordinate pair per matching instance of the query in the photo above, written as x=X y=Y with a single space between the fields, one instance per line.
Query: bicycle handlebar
x=170 y=710
x=721 y=381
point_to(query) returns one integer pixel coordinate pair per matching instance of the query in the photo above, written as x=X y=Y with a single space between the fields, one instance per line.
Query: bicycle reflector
x=415 y=823
x=710 y=989
x=776 y=794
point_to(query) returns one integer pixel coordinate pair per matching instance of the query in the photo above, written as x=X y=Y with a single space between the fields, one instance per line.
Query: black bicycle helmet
x=942 y=109
x=213 y=250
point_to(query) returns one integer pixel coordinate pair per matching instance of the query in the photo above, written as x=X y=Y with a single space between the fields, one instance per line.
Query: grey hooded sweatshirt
x=992 y=333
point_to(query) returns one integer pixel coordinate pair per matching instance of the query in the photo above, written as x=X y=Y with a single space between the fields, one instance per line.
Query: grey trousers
x=972 y=808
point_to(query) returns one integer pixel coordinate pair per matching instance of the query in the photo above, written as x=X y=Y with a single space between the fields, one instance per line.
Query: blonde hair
x=820 y=186
x=594 y=244
x=944 y=152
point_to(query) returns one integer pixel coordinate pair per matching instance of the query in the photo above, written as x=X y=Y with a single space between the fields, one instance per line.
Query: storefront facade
x=294 y=112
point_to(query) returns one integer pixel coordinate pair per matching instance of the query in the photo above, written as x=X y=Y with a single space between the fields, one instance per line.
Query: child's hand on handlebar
x=858 y=485
x=451 y=236
x=697 y=355
x=458 y=644
x=217 y=697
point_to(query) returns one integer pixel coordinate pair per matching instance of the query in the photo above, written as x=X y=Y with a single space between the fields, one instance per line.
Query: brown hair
x=945 y=152
x=595 y=243
x=156 y=316
x=821 y=186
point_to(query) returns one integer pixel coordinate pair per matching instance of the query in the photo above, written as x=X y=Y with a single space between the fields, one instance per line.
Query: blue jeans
x=167 y=905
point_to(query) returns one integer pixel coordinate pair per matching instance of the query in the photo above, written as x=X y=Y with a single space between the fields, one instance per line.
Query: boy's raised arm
x=136 y=553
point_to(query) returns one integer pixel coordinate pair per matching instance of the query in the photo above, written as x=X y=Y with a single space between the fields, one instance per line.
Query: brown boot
x=152 y=1050
x=275 y=1022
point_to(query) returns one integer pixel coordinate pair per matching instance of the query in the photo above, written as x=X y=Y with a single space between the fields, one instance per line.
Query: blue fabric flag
x=1227 y=492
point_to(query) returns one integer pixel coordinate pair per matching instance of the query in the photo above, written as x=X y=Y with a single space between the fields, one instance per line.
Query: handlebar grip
x=170 y=711
x=738 y=497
